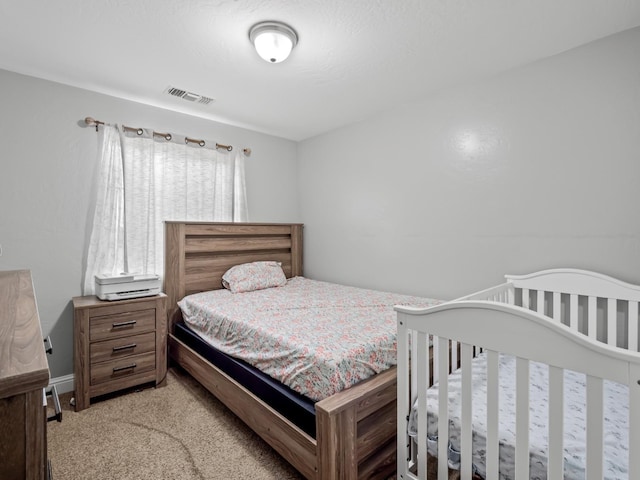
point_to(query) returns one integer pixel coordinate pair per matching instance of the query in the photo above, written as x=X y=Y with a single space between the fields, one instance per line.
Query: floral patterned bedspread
x=316 y=337
x=616 y=431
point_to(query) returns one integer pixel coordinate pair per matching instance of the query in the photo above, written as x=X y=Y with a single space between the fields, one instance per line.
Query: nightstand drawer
x=122 y=347
x=122 y=368
x=122 y=324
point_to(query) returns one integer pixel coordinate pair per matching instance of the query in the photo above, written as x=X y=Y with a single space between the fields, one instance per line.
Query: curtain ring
x=166 y=136
x=192 y=140
x=228 y=148
x=139 y=131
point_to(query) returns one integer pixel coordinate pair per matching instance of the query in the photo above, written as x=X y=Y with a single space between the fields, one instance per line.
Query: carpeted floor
x=178 y=432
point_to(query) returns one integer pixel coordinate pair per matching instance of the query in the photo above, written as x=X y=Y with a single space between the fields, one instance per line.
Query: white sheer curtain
x=169 y=180
x=106 y=244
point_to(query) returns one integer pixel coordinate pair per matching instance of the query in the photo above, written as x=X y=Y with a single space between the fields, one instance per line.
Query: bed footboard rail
x=356 y=430
x=527 y=336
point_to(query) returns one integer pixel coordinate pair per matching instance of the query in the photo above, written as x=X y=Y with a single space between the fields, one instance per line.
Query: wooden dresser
x=24 y=374
x=117 y=345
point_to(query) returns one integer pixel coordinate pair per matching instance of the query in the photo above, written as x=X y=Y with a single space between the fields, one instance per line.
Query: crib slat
x=557 y=307
x=522 y=419
x=406 y=392
x=612 y=321
x=423 y=375
x=573 y=312
x=592 y=315
x=540 y=302
x=465 y=413
x=525 y=298
x=555 y=463
x=595 y=428
x=511 y=296
x=454 y=356
x=443 y=410
x=436 y=359
x=633 y=326
x=413 y=347
x=634 y=421
x=411 y=350
x=493 y=407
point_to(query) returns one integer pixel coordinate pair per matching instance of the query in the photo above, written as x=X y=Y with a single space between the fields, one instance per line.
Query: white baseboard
x=63 y=384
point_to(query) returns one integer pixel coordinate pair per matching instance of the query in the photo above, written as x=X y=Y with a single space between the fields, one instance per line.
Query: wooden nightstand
x=117 y=345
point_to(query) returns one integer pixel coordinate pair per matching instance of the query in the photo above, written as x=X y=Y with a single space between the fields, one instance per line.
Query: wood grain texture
x=356 y=428
x=36 y=434
x=23 y=363
x=197 y=254
x=24 y=373
x=120 y=347
x=104 y=327
x=12 y=419
x=116 y=370
x=116 y=335
x=293 y=444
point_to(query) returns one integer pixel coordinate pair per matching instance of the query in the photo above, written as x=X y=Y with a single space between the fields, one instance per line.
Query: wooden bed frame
x=556 y=317
x=355 y=428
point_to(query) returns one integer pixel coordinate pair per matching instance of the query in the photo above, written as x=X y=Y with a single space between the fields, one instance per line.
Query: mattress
x=317 y=338
x=297 y=408
x=615 y=426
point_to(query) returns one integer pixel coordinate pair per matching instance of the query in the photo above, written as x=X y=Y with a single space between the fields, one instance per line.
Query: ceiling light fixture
x=273 y=40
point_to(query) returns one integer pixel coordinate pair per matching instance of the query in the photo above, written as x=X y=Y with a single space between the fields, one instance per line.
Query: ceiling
x=354 y=58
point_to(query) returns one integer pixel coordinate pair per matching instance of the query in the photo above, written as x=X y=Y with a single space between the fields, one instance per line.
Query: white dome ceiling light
x=273 y=40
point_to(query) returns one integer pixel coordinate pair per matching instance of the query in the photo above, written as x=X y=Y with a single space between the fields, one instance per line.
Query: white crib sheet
x=615 y=427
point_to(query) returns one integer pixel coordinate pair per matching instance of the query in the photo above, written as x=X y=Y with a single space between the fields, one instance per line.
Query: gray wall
x=535 y=168
x=47 y=170
x=532 y=169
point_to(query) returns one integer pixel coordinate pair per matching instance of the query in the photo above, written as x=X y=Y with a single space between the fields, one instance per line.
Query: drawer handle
x=130 y=323
x=48 y=346
x=126 y=367
x=124 y=347
x=53 y=393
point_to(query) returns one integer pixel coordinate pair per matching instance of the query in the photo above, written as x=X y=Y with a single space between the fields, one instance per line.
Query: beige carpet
x=177 y=432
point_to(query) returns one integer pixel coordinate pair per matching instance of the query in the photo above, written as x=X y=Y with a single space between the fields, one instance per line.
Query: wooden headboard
x=197 y=254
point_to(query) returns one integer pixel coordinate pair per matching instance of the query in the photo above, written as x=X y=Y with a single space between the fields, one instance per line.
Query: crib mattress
x=316 y=337
x=615 y=426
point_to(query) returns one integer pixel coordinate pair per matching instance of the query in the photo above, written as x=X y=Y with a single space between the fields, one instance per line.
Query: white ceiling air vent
x=189 y=96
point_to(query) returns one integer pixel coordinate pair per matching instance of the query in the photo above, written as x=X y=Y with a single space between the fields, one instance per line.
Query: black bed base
x=297 y=408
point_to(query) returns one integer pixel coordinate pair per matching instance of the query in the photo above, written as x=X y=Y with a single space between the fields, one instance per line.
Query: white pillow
x=248 y=277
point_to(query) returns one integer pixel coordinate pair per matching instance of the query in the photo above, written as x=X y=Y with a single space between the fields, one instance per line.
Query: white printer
x=119 y=287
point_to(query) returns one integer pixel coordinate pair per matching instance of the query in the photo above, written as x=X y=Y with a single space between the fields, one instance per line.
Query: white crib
x=566 y=319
